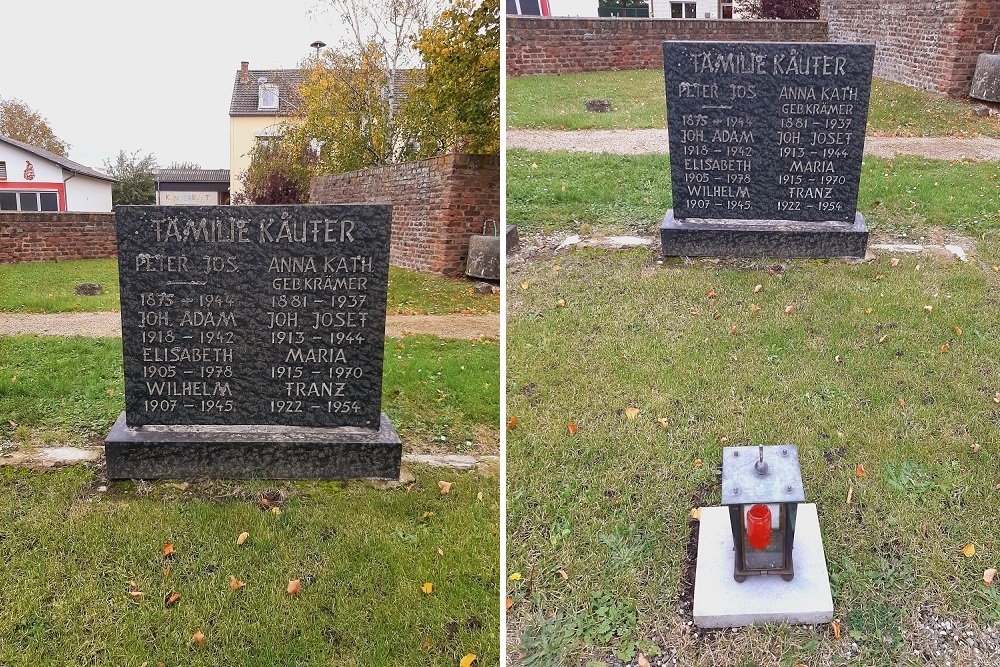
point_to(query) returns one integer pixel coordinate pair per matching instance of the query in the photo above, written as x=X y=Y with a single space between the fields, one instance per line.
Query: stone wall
x=565 y=45
x=437 y=205
x=927 y=45
x=44 y=237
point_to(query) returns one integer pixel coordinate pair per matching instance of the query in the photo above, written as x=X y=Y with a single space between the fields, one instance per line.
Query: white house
x=34 y=179
x=691 y=9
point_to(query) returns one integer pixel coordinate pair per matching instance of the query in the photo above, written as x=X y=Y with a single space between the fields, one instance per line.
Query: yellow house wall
x=242 y=135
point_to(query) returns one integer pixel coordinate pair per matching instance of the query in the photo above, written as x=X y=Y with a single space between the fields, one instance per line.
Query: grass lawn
x=637 y=100
x=440 y=394
x=599 y=523
x=574 y=192
x=70 y=552
x=47 y=287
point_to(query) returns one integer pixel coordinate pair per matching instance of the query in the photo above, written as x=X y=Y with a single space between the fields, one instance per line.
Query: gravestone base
x=784 y=239
x=252 y=452
x=722 y=602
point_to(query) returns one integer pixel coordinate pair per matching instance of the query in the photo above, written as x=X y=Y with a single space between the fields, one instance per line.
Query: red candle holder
x=759 y=527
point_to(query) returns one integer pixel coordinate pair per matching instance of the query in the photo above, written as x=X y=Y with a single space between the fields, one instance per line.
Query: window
x=267 y=96
x=525 y=7
x=726 y=9
x=683 y=10
x=3 y=171
x=28 y=201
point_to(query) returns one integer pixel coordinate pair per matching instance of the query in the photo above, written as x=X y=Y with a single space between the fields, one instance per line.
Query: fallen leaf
x=467 y=660
x=724 y=439
x=902 y=403
x=509 y=602
x=426 y=645
x=426 y=515
x=975 y=447
x=641 y=661
x=696 y=513
x=244 y=536
x=136 y=595
x=571 y=427
x=109 y=391
x=662 y=421
x=850 y=494
x=716 y=315
x=631 y=413
x=562 y=573
x=168 y=549
x=512 y=423
x=883 y=338
x=839 y=359
x=515 y=577
x=294 y=587
x=945 y=348
x=479 y=496
x=525 y=285
x=789 y=309
x=879 y=276
x=958 y=331
x=969 y=550
x=929 y=308
x=711 y=294
x=894 y=262
x=198 y=639
x=996 y=397
x=869 y=311
x=171 y=599
x=733 y=330
x=988 y=576
x=860 y=471
x=561 y=303
x=754 y=308
x=276 y=511
x=697 y=463
x=427 y=587
x=836 y=629
x=757 y=288
x=444 y=487
x=235 y=584
x=440 y=551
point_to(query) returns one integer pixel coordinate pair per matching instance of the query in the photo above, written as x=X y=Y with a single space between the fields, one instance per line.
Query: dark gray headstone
x=252 y=316
x=765 y=132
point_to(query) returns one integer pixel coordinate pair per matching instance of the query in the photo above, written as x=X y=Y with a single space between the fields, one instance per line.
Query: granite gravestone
x=766 y=141
x=253 y=342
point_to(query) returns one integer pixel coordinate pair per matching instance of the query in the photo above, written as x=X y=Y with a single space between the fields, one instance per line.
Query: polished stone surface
x=780 y=239
x=235 y=315
x=722 y=602
x=252 y=452
x=766 y=130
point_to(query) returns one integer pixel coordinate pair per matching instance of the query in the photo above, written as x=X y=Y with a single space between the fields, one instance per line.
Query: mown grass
x=855 y=375
x=362 y=555
x=440 y=394
x=638 y=101
x=561 y=191
x=47 y=287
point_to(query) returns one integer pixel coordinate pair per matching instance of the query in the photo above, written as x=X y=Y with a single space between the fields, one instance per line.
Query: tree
x=346 y=115
x=184 y=165
x=279 y=173
x=458 y=106
x=21 y=122
x=135 y=179
x=778 y=9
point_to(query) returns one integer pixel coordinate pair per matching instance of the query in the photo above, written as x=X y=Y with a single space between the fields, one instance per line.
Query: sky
x=150 y=76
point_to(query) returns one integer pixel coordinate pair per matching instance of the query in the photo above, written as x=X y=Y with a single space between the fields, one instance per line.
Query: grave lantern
x=762 y=486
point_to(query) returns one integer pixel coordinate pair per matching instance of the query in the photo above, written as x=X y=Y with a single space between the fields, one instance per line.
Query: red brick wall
x=437 y=205
x=927 y=45
x=554 y=45
x=42 y=237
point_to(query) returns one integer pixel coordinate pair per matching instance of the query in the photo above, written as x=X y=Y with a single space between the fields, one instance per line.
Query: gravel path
x=109 y=325
x=637 y=142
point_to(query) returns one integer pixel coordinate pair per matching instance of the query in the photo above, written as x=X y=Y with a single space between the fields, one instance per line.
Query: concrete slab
x=721 y=602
